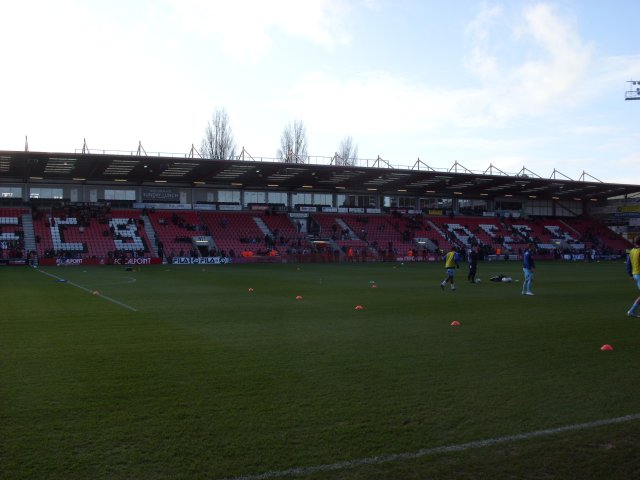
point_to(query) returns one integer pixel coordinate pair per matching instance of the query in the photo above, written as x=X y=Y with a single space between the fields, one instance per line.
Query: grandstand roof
x=46 y=167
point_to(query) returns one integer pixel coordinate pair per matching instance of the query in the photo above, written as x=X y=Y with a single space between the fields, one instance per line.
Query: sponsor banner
x=417 y=258
x=329 y=209
x=374 y=210
x=307 y=209
x=137 y=261
x=65 y=262
x=343 y=210
x=163 y=206
x=575 y=256
x=259 y=207
x=200 y=260
x=229 y=208
x=356 y=210
x=509 y=213
x=629 y=209
x=298 y=215
x=160 y=194
x=405 y=259
x=488 y=214
x=204 y=206
x=625 y=215
x=435 y=212
x=68 y=261
x=415 y=212
x=8 y=220
x=13 y=261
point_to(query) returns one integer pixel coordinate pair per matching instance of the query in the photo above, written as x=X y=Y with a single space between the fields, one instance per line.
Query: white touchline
x=430 y=451
x=112 y=300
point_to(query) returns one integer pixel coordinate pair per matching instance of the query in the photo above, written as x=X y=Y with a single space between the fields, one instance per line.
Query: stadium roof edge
x=374 y=176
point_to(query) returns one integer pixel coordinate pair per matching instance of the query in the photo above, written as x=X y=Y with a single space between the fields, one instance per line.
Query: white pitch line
x=430 y=451
x=112 y=300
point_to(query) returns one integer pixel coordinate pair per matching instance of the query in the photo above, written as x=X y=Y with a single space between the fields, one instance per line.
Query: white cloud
x=245 y=28
x=478 y=31
x=554 y=61
x=384 y=104
x=372 y=103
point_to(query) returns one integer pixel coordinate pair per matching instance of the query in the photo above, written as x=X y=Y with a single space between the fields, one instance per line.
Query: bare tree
x=293 y=143
x=347 y=153
x=218 y=142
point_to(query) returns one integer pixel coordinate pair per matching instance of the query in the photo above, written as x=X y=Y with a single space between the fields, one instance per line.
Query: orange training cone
x=606 y=348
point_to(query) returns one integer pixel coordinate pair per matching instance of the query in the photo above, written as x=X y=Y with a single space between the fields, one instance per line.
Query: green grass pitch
x=176 y=372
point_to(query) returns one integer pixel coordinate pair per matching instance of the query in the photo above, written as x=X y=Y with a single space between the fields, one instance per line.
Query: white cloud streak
x=245 y=29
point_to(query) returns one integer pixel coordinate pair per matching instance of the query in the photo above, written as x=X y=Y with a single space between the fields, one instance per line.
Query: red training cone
x=455 y=323
x=299 y=297
x=359 y=307
x=606 y=348
x=250 y=289
x=373 y=285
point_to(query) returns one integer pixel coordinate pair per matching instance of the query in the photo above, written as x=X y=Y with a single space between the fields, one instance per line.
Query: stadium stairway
x=571 y=228
x=29 y=234
x=151 y=233
x=336 y=248
x=262 y=226
x=424 y=242
x=343 y=225
x=437 y=229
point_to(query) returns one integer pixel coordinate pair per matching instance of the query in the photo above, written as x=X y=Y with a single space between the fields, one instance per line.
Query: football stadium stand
x=108 y=206
x=105 y=233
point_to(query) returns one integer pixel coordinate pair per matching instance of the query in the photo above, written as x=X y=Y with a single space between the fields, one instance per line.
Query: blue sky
x=507 y=83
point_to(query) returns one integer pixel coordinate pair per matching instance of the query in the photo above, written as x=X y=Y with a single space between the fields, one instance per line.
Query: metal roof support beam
x=553 y=175
x=416 y=166
x=193 y=152
x=455 y=166
x=525 y=172
x=491 y=168
x=141 y=149
x=243 y=153
x=379 y=163
x=585 y=174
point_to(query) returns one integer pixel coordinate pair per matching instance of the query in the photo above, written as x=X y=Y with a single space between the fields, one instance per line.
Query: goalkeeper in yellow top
x=451 y=260
x=633 y=269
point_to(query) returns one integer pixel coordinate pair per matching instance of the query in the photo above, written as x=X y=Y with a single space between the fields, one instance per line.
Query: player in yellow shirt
x=633 y=269
x=451 y=260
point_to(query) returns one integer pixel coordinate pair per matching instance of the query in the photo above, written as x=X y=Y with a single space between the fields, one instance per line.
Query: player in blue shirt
x=528 y=265
x=633 y=269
